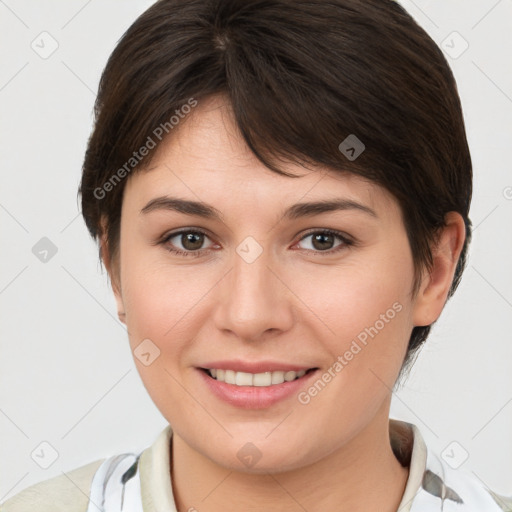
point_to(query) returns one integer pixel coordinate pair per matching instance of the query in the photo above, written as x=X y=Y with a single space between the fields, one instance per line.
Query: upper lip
x=254 y=366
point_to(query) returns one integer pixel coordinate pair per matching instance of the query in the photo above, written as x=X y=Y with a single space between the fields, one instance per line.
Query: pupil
x=192 y=241
x=321 y=237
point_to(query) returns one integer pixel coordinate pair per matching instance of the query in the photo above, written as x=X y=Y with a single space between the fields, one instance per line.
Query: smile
x=255 y=379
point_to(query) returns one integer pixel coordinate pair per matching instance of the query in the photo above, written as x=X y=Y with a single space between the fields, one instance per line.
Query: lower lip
x=254 y=397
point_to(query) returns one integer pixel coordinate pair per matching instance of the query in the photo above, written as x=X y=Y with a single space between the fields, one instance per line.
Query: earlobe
x=436 y=284
x=113 y=276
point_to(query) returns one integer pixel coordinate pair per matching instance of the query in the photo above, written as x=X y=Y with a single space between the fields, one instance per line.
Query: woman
x=283 y=217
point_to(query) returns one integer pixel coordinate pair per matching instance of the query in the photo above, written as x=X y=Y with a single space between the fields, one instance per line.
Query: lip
x=254 y=397
x=238 y=365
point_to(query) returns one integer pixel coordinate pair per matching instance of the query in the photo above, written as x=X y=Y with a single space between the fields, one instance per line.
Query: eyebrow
x=293 y=212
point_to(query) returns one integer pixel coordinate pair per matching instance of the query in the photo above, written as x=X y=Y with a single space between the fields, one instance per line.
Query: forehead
x=205 y=158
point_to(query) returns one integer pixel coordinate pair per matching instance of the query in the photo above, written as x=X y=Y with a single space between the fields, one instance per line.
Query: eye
x=322 y=241
x=191 y=240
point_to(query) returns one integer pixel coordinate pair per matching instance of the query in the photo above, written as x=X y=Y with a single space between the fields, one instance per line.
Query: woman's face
x=264 y=288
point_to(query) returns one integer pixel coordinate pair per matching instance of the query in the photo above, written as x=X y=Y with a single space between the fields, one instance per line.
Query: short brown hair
x=301 y=76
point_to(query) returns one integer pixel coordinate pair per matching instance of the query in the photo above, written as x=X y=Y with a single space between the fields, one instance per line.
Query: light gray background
x=66 y=372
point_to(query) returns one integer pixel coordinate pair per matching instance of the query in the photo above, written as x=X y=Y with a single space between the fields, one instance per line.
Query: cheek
x=149 y=292
x=365 y=324
x=368 y=316
x=164 y=302
x=348 y=299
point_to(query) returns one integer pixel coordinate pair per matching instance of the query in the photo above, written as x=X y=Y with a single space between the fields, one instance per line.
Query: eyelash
x=347 y=242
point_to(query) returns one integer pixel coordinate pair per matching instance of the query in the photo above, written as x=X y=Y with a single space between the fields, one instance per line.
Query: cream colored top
x=432 y=484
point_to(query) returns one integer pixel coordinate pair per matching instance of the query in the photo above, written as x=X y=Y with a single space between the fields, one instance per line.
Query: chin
x=253 y=457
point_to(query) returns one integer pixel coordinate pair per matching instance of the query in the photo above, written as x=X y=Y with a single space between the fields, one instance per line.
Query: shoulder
x=437 y=482
x=464 y=487
x=460 y=490
x=68 y=492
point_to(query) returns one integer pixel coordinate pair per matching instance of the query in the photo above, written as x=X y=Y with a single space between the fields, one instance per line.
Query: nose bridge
x=254 y=300
x=251 y=271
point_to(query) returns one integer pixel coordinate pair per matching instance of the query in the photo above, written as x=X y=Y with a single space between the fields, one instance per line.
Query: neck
x=362 y=475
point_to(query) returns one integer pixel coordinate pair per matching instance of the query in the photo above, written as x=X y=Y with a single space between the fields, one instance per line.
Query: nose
x=254 y=299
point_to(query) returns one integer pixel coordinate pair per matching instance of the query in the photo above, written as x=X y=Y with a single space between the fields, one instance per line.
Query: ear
x=113 y=273
x=435 y=285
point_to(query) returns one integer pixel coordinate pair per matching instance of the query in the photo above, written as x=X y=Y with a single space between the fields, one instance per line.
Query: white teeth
x=277 y=377
x=254 y=379
x=243 y=379
x=229 y=377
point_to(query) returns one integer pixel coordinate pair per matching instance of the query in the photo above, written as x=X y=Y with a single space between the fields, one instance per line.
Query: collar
x=156 y=489
x=142 y=483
